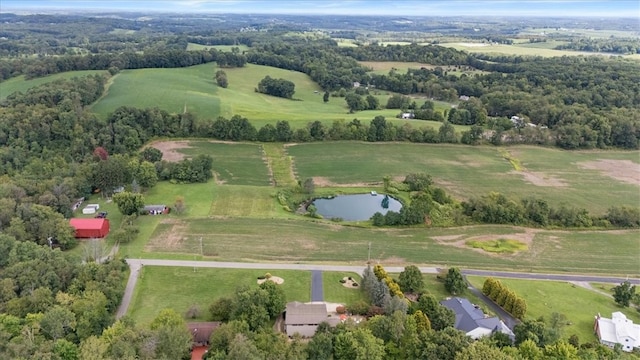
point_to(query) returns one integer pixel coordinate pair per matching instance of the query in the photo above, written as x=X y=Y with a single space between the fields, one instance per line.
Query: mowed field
x=595 y=180
x=383 y=68
x=240 y=222
x=195 y=88
x=301 y=240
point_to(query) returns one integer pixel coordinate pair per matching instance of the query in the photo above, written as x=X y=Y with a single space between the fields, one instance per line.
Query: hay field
x=560 y=177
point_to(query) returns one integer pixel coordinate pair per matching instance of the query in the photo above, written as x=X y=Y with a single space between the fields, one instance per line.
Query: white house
x=618 y=330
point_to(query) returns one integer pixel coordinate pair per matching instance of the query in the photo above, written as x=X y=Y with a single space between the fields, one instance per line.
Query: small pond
x=355 y=207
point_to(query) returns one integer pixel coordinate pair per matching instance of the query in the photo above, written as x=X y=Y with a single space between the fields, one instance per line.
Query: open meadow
x=595 y=180
x=194 y=88
x=546 y=297
x=240 y=219
x=522 y=49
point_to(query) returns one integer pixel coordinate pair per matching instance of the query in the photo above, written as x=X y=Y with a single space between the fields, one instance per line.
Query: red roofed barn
x=90 y=228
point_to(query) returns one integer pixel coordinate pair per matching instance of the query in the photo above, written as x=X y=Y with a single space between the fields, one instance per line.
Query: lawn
x=335 y=292
x=181 y=287
x=579 y=305
x=18 y=83
x=595 y=180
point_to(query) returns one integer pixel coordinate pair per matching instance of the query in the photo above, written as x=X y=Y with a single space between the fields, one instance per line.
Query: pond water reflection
x=355 y=207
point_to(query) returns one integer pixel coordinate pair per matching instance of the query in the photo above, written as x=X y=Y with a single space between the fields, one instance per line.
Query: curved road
x=136 y=265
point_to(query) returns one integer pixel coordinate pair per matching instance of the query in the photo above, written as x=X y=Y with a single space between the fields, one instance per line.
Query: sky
x=546 y=8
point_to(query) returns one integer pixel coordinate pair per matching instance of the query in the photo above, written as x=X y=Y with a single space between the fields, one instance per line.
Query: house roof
x=299 y=313
x=93 y=224
x=470 y=318
x=618 y=329
x=201 y=331
x=155 y=207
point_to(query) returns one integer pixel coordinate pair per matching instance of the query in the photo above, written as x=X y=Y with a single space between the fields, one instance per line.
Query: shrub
x=350 y=278
x=261 y=277
x=355 y=284
x=341 y=309
x=267 y=276
x=359 y=307
x=193 y=312
x=342 y=281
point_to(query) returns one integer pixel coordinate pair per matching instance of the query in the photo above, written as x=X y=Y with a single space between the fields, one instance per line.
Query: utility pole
x=369 y=254
x=201 y=249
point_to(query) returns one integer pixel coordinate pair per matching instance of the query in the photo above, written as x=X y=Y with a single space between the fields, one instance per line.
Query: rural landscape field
x=161 y=176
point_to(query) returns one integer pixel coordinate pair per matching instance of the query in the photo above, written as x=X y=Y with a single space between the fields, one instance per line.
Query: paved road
x=556 y=277
x=317 y=293
x=136 y=264
x=128 y=291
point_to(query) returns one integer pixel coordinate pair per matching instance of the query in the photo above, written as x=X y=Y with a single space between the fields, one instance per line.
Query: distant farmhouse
x=618 y=330
x=474 y=322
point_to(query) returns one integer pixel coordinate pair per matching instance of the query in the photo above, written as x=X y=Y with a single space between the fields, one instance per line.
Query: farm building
x=618 y=330
x=90 y=228
x=156 y=209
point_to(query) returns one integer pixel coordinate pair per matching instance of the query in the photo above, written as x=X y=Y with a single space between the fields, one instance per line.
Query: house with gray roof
x=473 y=321
x=304 y=318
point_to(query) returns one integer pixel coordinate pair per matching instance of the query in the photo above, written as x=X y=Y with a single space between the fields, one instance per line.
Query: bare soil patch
x=325 y=182
x=349 y=283
x=172 y=238
x=276 y=279
x=622 y=170
x=460 y=241
x=170 y=149
x=540 y=179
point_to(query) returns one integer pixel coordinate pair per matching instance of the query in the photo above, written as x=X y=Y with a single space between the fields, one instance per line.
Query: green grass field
x=233 y=163
x=579 y=305
x=552 y=174
x=305 y=241
x=181 y=287
x=243 y=222
x=18 y=83
x=194 y=88
x=383 y=68
x=517 y=49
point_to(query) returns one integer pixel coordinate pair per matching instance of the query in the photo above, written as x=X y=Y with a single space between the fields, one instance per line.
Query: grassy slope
x=167 y=89
x=18 y=83
x=181 y=287
x=172 y=89
x=546 y=297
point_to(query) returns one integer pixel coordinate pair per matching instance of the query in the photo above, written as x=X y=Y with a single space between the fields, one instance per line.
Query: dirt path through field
x=622 y=170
